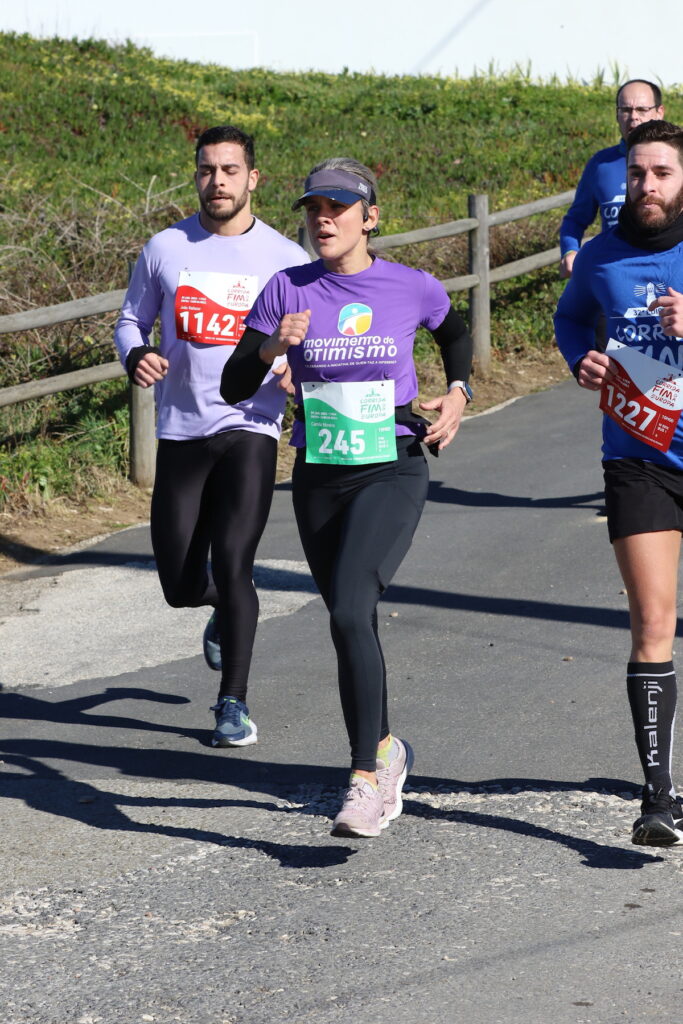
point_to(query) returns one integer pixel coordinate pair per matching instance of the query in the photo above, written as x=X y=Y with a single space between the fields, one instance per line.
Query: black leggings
x=356 y=526
x=215 y=492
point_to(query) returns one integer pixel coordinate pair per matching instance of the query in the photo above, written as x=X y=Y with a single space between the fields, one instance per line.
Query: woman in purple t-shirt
x=346 y=324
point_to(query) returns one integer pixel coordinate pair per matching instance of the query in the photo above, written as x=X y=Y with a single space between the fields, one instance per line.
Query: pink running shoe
x=361 y=810
x=390 y=779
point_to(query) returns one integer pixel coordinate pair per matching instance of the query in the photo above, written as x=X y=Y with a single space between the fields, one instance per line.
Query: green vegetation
x=97 y=142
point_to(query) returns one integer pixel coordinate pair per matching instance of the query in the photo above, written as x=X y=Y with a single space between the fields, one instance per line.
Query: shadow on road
x=47 y=789
x=511 y=606
x=74 y=711
x=40 y=558
x=594 y=854
x=50 y=791
x=440 y=493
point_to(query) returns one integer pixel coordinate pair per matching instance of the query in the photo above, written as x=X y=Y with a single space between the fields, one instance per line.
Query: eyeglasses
x=636 y=110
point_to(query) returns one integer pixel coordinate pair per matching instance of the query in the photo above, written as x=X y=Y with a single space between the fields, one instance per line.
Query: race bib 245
x=351 y=423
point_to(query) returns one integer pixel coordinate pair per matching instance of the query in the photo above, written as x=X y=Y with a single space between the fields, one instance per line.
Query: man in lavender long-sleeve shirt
x=215 y=462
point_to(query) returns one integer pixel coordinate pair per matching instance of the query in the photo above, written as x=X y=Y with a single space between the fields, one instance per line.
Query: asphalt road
x=148 y=877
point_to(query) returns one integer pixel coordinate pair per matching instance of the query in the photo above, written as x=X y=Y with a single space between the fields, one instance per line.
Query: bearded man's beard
x=651 y=224
x=238 y=205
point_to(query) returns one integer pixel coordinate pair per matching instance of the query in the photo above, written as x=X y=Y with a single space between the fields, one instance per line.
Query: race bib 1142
x=211 y=307
x=645 y=399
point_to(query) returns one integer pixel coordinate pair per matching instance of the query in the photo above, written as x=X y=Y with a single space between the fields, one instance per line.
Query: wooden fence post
x=142 y=446
x=480 y=294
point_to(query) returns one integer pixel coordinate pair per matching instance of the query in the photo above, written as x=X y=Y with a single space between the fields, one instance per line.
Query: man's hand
x=671 y=312
x=566 y=264
x=292 y=331
x=445 y=428
x=151 y=368
x=596 y=367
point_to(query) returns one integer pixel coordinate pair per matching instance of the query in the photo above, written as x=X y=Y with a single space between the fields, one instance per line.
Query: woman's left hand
x=450 y=407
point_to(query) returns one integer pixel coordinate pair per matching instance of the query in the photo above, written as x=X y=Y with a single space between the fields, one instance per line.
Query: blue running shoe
x=212 y=644
x=234 y=727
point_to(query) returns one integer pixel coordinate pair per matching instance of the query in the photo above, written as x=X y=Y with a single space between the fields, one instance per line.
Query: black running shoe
x=661 y=820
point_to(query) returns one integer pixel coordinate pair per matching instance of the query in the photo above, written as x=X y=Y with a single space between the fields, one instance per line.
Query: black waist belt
x=405 y=417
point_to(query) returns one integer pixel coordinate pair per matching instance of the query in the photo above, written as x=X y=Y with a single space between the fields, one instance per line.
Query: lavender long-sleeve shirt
x=202 y=286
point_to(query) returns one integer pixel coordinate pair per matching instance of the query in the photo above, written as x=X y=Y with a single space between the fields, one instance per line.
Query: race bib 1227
x=645 y=399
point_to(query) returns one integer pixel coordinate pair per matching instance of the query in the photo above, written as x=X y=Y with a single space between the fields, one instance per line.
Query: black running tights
x=214 y=493
x=356 y=526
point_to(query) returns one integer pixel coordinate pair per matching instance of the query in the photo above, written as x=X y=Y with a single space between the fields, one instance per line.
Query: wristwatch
x=464 y=387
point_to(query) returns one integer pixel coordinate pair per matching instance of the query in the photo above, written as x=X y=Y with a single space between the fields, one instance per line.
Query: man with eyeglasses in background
x=603 y=182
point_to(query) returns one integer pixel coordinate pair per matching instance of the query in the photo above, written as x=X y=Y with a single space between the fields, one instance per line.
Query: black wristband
x=134 y=357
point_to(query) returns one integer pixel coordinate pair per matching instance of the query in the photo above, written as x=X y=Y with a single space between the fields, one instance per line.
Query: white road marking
x=103 y=622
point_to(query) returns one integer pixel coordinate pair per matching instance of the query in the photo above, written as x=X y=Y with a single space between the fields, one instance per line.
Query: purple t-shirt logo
x=354 y=319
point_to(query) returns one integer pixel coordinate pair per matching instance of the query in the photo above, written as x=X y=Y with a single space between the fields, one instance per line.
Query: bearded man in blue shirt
x=633 y=274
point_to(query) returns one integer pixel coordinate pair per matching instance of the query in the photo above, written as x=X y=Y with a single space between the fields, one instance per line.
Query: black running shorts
x=642 y=497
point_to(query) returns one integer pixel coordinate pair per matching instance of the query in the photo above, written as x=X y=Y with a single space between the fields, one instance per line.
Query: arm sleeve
x=244 y=372
x=140 y=309
x=577 y=312
x=455 y=343
x=581 y=213
x=447 y=328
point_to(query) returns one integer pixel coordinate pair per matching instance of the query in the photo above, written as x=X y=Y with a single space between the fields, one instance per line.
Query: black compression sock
x=651 y=688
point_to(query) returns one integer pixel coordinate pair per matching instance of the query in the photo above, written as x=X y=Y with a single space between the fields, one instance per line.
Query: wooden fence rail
x=48 y=316
x=477 y=281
